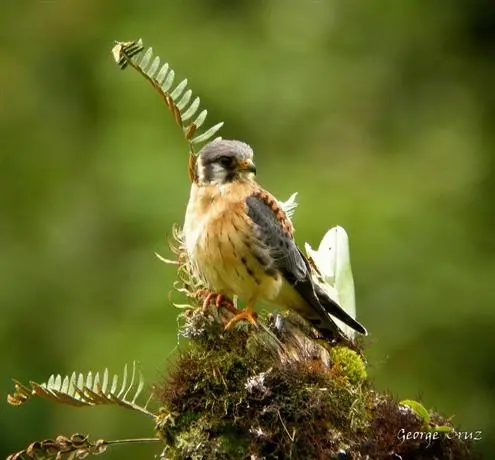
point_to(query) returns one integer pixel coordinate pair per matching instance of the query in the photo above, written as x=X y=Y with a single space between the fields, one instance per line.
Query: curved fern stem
x=178 y=98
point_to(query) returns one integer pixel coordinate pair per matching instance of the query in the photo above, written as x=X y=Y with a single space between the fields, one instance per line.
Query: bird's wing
x=274 y=230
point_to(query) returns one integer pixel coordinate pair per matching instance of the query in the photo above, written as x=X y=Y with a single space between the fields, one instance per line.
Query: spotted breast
x=222 y=244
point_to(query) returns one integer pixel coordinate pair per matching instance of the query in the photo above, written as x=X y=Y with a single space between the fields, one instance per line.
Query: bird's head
x=223 y=161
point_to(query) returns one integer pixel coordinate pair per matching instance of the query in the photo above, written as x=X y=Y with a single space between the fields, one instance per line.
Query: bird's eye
x=225 y=161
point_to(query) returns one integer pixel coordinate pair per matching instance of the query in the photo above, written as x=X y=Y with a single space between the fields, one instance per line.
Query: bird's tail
x=308 y=298
x=331 y=308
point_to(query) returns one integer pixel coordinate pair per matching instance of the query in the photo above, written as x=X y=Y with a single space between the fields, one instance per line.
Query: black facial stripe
x=231 y=175
x=217 y=159
x=207 y=173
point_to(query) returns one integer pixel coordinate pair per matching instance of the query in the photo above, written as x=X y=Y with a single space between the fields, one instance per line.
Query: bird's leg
x=208 y=299
x=220 y=300
x=246 y=314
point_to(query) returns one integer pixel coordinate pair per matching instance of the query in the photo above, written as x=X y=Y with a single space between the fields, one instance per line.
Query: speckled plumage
x=240 y=241
x=221 y=246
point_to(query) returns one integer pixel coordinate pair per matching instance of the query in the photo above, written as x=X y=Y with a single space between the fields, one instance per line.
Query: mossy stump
x=275 y=393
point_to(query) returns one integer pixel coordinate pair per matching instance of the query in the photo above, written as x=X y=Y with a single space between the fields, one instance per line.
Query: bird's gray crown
x=225 y=148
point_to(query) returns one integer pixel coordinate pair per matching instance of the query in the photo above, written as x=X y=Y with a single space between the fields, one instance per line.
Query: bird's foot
x=219 y=301
x=248 y=314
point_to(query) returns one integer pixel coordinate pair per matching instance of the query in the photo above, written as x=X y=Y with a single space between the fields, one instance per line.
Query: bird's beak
x=247 y=165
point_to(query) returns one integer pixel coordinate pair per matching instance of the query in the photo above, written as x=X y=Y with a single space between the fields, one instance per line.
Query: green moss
x=350 y=364
x=192 y=442
x=232 y=442
x=205 y=438
x=273 y=392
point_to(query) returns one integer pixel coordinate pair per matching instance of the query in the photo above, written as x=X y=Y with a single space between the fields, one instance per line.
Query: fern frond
x=177 y=98
x=87 y=390
x=77 y=446
x=187 y=283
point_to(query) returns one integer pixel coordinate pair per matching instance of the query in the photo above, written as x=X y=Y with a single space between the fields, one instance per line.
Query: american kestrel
x=240 y=242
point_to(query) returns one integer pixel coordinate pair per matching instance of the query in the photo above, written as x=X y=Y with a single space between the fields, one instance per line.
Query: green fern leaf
x=162 y=74
x=169 y=79
x=154 y=67
x=200 y=119
x=207 y=134
x=177 y=99
x=184 y=100
x=418 y=409
x=86 y=390
x=179 y=89
x=193 y=108
x=146 y=58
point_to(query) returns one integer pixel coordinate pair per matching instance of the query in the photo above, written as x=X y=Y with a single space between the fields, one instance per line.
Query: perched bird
x=240 y=241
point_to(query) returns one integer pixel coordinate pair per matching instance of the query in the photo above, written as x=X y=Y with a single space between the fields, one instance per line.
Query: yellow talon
x=247 y=314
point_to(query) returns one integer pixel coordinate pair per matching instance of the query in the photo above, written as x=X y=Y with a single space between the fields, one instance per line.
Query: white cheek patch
x=218 y=174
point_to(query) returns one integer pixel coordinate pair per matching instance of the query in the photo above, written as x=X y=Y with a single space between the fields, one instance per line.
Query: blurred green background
x=380 y=114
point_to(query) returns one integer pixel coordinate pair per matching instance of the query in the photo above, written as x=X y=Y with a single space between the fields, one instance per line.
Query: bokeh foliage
x=380 y=114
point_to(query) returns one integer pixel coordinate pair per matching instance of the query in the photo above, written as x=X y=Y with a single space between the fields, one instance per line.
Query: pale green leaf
x=207 y=134
x=124 y=383
x=139 y=388
x=162 y=74
x=179 y=89
x=184 y=100
x=201 y=118
x=65 y=384
x=115 y=383
x=166 y=85
x=192 y=109
x=89 y=380
x=104 y=383
x=131 y=383
x=418 y=409
x=146 y=58
x=153 y=67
